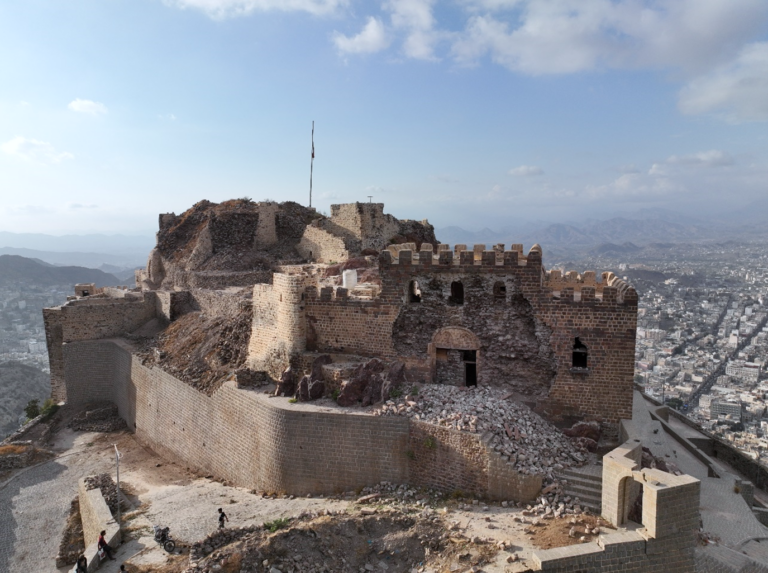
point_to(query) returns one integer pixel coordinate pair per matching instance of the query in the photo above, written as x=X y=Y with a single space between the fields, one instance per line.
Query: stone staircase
x=585 y=483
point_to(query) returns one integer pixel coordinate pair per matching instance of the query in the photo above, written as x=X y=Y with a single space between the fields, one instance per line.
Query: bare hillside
x=19 y=384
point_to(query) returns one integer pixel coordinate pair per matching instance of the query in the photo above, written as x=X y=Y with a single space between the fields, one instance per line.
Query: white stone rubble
x=533 y=445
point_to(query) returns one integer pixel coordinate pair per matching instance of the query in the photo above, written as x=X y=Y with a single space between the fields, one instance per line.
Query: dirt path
x=34 y=505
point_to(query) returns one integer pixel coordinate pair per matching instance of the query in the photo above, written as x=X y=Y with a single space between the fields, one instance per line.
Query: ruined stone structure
x=465 y=317
x=460 y=316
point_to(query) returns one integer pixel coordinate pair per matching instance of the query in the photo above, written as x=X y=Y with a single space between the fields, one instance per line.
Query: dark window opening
x=457 y=293
x=579 y=354
x=86 y=293
x=414 y=292
x=499 y=290
x=470 y=373
x=469 y=355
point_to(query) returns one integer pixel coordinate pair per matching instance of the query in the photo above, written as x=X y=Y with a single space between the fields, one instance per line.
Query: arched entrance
x=455 y=356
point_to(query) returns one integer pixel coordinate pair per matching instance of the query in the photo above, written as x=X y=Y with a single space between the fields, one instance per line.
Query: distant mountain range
x=15 y=269
x=623 y=233
x=105 y=261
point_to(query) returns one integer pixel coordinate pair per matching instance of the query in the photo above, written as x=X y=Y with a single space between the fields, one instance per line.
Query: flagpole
x=311 y=163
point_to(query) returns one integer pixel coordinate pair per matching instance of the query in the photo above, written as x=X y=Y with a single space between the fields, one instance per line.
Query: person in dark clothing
x=82 y=564
x=222 y=518
x=104 y=545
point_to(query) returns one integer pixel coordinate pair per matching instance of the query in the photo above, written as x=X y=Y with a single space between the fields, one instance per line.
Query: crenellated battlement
x=460 y=255
x=585 y=287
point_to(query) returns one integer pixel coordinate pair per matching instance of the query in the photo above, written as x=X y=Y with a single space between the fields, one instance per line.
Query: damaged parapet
x=585 y=287
x=663 y=541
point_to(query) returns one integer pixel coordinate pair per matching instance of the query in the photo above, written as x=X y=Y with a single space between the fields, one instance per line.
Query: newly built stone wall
x=264 y=443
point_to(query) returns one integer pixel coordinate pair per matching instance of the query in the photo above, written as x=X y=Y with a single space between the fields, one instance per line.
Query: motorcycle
x=163 y=537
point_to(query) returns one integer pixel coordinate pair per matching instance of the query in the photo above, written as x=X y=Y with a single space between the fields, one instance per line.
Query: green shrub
x=276 y=524
x=395 y=393
x=50 y=407
x=335 y=394
x=292 y=401
x=430 y=442
x=32 y=409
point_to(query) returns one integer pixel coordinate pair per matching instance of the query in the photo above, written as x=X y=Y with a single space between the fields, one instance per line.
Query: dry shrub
x=12 y=449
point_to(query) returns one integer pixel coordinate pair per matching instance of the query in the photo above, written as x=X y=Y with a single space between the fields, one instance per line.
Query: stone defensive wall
x=258 y=442
x=91 y=318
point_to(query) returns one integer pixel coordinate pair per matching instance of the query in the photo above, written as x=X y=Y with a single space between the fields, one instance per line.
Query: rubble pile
x=72 y=544
x=108 y=489
x=99 y=418
x=533 y=445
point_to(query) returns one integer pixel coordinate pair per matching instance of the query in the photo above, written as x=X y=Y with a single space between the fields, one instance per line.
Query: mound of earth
x=373 y=540
x=200 y=349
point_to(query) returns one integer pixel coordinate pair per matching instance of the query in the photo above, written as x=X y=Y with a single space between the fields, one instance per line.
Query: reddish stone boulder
x=317 y=367
x=302 y=389
x=353 y=390
x=395 y=379
x=316 y=389
x=286 y=386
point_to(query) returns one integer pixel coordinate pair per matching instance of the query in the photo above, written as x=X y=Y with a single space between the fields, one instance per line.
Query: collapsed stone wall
x=514 y=342
x=509 y=291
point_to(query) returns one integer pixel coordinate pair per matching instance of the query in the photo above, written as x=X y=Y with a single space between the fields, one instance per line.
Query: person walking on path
x=222 y=518
x=82 y=564
x=104 y=545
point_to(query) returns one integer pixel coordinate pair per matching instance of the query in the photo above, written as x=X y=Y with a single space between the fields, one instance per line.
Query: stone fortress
x=241 y=295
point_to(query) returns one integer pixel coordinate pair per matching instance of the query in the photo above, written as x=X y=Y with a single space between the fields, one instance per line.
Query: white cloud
x=737 y=90
x=416 y=19
x=233 y=8
x=526 y=171
x=713 y=158
x=372 y=38
x=633 y=186
x=87 y=106
x=34 y=151
x=566 y=36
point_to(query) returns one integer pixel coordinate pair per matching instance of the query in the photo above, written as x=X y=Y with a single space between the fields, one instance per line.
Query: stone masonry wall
x=367 y=222
x=255 y=442
x=279 y=333
x=452 y=461
x=87 y=320
x=319 y=244
x=542 y=338
x=351 y=326
x=96 y=518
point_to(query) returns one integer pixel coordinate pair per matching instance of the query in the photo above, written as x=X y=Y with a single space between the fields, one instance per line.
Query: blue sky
x=467 y=112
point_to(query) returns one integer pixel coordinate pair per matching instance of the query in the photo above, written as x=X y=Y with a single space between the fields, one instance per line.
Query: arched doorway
x=455 y=356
